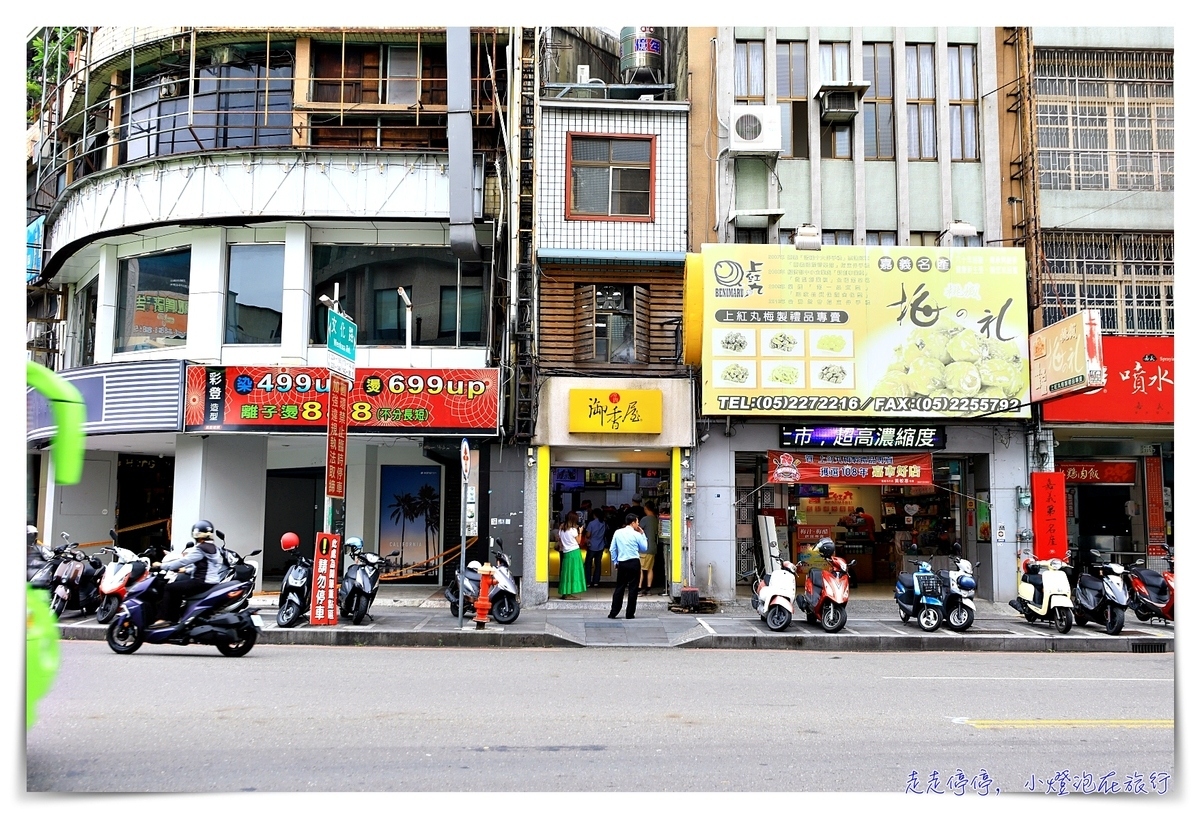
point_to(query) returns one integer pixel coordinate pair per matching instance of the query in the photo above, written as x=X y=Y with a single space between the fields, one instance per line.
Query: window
x=152 y=301
x=1128 y=277
x=1105 y=119
x=791 y=89
x=878 y=111
x=619 y=327
x=610 y=177
x=963 y=131
x=881 y=238
x=922 y=104
x=86 y=301
x=254 y=296
x=843 y=237
x=448 y=298
x=835 y=62
x=923 y=238
x=837 y=140
x=403 y=75
x=750 y=235
x=748 y=73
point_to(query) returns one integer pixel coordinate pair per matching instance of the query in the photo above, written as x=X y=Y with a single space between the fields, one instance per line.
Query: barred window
x=1105 y=119
x=1128 y=277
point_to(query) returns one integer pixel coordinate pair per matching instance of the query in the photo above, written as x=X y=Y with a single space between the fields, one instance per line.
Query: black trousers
x=593 y=561
x=629 y=574
x=175 y=592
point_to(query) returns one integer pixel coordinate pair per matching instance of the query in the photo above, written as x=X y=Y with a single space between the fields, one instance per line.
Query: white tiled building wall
x=668 y=231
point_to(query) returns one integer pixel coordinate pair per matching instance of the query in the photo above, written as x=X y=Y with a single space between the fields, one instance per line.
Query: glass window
x=748 y=76
x=963 y=141
x=367 y=277
x=254 y=297
x=86 y=300
x=835 y=62
x=791 y=88
x=611 y=177
x=922 y=102
x=152 y=301
x=403 y=75
x=878 y=124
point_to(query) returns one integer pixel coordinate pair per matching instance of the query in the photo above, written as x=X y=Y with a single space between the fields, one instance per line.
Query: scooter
x=360 y=583
x=958 y=591
x=503 y=594
x=296 y=586
x=124 y=569
x=1044 y=593
x=1099 y=595
x=218 y=615
x=76 y=582
x=1152 y=594
x=919 y=594
x=827 y=590
x=773 y=593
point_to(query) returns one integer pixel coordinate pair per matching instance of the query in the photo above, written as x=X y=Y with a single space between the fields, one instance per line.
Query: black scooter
x=76 y=582
x=1100 y=595
x=296 y=587
x=360 y=582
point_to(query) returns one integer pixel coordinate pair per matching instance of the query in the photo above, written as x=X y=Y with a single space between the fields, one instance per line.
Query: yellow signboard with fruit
x=882 y=331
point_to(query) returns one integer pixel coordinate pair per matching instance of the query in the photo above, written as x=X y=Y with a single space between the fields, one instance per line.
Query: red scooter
x=827 y=590
x=1151 y=594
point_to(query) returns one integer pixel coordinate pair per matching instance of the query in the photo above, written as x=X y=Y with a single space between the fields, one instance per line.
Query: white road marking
x=706 y=626
x=1021 y=679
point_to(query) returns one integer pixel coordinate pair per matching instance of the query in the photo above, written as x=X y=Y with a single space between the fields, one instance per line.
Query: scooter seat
x=1089 y=582
x=818 y=579
x=208 y=589
x=905 y=579
x=1033 y=579
x=474 y=576
x=1153 y=580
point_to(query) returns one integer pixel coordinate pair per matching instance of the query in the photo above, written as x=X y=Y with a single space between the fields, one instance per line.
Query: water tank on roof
x=642 y=54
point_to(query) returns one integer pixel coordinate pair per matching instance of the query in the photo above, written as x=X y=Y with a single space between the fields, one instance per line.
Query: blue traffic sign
x=341 y=336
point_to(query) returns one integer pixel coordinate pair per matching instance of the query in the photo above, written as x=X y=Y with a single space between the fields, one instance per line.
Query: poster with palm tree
x=410 y=513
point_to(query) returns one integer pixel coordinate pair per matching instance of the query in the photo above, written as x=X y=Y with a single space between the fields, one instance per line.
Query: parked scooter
x=958 y=591
x=218 y=615
x=296 y=589
x=125 y=569
x=360 y=583
x=76 y=582
x=1100 y=595
x=773 y=593
x=1044 y=593
x=39 y=570
x=503 y=594
x=827 y=590
x=1152 y=594
x=919 y=594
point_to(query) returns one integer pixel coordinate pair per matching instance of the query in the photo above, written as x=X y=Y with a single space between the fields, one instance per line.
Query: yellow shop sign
x=621 y=411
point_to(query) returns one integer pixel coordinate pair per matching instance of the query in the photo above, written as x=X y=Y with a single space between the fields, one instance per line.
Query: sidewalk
x=418 y=616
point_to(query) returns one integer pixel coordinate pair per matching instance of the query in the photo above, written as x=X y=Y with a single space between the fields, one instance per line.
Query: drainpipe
x=463 y=243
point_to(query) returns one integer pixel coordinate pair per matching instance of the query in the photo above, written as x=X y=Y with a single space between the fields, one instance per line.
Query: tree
x=49 y=57
x=430 y=504
x=405 y=509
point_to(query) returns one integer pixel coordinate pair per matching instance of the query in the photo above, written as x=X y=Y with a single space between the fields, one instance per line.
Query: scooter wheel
x=1141 y=615
x=1062 y=619
x=1080 y=618
x=454 y=609
x=929 y=619
x=289 y=614
x=239 y=648
x=904 y=615
x=58 y=605
x=506 y=609
x=833 y=617
x=960 y=618
x=1114 y=620
x=108 y=608
x=123 y=637
x=778 y=618
x=360 y=609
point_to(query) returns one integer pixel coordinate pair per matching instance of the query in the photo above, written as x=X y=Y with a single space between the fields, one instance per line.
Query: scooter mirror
x=220 y=533
x=66 y=536
x=252 y=553
x=395 y=553
x=112 y=532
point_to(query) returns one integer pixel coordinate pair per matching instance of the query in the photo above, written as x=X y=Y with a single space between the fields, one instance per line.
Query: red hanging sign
x=1049 y=514
x=1105 y=472
x=1140 y=387
x=850 y=469
x=335 y=443
x=324 y=610
x=1156 y=521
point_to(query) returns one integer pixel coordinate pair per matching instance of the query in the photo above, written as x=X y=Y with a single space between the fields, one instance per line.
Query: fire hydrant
x=483 y=605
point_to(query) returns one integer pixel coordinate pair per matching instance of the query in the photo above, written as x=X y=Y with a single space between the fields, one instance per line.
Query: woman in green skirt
x=571 y=578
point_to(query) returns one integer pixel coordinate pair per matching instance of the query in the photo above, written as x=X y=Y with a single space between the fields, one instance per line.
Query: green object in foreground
x=41 y=650
x=70 y=413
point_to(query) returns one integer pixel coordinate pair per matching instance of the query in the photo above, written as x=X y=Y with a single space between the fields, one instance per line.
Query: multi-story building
x=203 y=193
x=855 y=173
x=1089 y=169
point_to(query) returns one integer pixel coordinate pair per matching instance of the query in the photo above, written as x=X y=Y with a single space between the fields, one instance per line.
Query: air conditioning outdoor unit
x=839 y=101
x=754 y=129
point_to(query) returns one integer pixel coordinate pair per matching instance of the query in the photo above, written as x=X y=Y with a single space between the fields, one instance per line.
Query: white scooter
x=958 y=586
x=773 y=595
x=1044 y=593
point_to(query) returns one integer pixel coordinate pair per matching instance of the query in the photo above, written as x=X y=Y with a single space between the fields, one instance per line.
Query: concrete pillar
x=297 y=297
x=106 y=308
x=206 y=299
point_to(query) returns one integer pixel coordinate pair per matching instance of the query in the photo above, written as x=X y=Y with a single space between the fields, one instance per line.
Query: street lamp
x=407 y=318
x=328 y=302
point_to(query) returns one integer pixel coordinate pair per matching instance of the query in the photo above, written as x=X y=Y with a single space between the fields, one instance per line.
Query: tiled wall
x=668 y=231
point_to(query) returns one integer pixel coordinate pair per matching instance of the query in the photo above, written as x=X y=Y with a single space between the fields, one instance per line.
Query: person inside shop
x=595 y=539
x=862 y=522
x=649 y=524
x=637 y=507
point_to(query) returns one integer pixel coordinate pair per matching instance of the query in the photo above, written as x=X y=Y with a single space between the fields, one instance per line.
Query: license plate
x=257 y=620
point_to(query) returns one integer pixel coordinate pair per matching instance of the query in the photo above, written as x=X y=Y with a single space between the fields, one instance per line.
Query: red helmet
x=289 y=541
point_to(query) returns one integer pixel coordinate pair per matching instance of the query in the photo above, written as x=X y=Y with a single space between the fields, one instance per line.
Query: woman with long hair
x=571 y=577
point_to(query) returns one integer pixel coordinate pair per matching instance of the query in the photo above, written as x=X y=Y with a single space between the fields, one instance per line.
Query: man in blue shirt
x=627 y=544
x=596 y=534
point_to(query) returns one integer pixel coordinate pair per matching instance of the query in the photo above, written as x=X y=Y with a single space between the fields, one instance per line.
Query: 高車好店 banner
x=880 y=331
x=850 y=469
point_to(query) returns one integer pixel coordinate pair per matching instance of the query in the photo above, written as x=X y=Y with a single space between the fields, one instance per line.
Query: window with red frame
x=610 y=177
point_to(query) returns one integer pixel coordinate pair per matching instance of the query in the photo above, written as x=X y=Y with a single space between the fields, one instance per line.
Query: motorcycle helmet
x=202 y=530
x=473 y=565
x=289 y=541
x=825 y=547
x=31 y=533
x=354 y=543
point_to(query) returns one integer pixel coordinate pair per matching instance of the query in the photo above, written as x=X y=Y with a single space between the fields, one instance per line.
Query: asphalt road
x=297 y=718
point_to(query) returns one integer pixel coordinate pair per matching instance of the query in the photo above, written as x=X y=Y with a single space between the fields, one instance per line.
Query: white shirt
x=569 y=537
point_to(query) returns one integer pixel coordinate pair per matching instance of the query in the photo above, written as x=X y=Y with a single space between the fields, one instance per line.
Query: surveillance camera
x=404 y=296
x=704 y=437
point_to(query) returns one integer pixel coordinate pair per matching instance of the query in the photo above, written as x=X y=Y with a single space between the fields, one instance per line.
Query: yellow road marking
x=987 y=724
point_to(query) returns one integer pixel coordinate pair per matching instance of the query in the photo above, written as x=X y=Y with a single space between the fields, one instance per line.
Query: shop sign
x=1140 y=387
x=882 y=331
x=324 y=610
x=296 y=399
x=854 y=470
x=812 y=533
x=862 y=437
x=1049 y=514
x=1156 y=521
x=335 y=444
x=622 y=411
x=1101 y=472
x=1066 y=357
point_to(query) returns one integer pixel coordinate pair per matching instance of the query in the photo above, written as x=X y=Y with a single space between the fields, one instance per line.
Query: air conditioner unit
x=839 y=101
x=754 y=129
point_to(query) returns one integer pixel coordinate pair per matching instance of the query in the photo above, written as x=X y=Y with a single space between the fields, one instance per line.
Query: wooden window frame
x=571 y=216
x=585 y=331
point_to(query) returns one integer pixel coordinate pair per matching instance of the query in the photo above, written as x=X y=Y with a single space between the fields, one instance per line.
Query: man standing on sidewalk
x=627 y=544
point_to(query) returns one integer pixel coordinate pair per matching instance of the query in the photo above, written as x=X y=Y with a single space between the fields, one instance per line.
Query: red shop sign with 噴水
x=1106 y=472
x=296 y=399
x=850 y=469
x=1140 y=386
x=324 y=610
x=1049 y=514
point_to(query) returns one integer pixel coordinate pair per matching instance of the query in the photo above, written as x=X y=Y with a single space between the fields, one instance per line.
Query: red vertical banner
x=1049 y=514
x=1156 y=521
x=335 y=447
x=324 y=610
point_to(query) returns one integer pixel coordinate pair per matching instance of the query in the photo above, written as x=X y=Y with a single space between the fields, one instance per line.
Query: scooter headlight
x=967 y=583
x=1056 y=565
